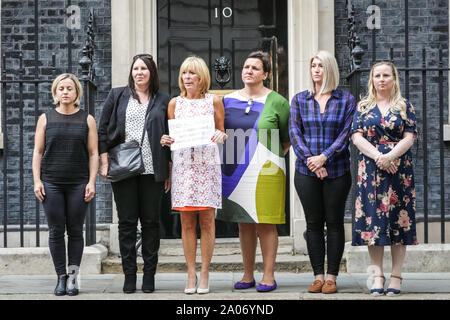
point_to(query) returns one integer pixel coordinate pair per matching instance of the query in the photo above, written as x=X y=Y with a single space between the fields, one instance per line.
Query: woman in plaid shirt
x=319 y=128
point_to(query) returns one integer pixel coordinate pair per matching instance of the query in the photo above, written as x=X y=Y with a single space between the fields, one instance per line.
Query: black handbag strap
x=145 y=123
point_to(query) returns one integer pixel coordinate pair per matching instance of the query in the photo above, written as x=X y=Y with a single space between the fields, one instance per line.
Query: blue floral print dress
x=385 y=203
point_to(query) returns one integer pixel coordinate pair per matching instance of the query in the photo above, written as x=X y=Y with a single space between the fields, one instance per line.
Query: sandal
x=378 y=291
x=391 y=292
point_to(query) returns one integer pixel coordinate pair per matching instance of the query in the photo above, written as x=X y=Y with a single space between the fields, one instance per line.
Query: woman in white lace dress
x=196 y=173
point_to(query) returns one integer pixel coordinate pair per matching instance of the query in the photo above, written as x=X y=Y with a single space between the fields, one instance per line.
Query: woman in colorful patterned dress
x=254 y=170
x=196 y=176
x=319 y=127
x=384 y=129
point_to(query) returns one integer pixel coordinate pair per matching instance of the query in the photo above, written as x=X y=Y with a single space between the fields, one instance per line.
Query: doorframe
x=1 y=132
x=132 y=32
x=309 y=20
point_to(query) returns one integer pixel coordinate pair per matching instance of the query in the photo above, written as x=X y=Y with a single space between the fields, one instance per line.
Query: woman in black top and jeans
x=65 y=164
x=138 y=197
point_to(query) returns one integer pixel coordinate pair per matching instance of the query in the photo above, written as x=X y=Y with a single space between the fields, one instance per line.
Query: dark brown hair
x=153 y=85
x=264 y=57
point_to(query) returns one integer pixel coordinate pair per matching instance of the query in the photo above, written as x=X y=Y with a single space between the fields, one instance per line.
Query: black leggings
x=64 y=206
x=324 y=202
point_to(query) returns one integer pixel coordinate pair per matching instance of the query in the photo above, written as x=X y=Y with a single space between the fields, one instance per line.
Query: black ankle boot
x=148 y=282
x=129 y=286
x=60 y=289
x=72 y=283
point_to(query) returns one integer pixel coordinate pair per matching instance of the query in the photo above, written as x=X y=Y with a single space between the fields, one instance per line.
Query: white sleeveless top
x=196 y=173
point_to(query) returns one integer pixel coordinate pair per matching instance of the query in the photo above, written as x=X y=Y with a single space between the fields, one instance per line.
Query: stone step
x=222 y=263
x=38 y=261
x=222 y=247
x=430 y=257
x=227 y=258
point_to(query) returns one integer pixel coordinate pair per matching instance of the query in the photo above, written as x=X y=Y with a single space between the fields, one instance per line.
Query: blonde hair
x=199 y=67
x=396 y=101
x=75 y=80
x=330 y=72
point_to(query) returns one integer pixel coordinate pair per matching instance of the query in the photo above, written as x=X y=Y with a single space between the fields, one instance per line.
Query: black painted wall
x=18 y=25
x=428 y=27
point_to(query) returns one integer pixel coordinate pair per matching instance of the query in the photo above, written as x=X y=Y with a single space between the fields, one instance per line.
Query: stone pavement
x=170 y=286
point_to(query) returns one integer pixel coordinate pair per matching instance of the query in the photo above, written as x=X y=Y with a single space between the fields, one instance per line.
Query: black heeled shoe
x=129 y=286
x=60 y=289
x=148 y=283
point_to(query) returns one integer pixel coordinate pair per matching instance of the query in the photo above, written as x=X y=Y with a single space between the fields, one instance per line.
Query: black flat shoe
x=148 y=283
x=60 y=289
x=129 y=286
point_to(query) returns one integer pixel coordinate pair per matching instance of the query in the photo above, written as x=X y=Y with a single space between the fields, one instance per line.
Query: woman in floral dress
x=384 y=129
x=196 y=174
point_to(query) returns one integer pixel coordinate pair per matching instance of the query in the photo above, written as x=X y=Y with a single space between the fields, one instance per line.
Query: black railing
x=427 y=77
x=16 y=120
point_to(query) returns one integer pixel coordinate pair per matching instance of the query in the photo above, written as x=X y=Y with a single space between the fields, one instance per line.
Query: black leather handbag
x=125 y=160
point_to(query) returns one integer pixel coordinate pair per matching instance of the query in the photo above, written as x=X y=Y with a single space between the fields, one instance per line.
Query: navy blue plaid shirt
x=312 y=133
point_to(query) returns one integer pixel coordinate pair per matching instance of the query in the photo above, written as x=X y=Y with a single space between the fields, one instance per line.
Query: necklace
x=249 y=105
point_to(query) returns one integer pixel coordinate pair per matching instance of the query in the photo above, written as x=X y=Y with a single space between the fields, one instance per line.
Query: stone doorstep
x=219 y=249
x=37 y=261
x=220 y=263
x=227 y=258
x=113 y=265
x=34 y=261
x=419 y=258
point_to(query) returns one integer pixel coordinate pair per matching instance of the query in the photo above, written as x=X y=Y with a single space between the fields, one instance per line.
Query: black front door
x=220 y=28
x=214 y=28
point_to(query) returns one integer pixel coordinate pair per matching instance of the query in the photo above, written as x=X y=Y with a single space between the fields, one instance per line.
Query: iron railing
x=14 y=118
x=424 y=75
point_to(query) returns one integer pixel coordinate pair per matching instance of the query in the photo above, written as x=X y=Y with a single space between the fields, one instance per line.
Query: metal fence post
x=90 y=90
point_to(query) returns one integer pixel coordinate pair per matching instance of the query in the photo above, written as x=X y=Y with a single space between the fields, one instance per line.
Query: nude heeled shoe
x=192 y=290
x=203 y=291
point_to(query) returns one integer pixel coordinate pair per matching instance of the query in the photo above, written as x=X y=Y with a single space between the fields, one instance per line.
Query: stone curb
x=419 y=258
x=37 y=261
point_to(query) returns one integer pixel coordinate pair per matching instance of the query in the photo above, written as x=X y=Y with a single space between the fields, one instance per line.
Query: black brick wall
x=428 y=27
x=18 y=34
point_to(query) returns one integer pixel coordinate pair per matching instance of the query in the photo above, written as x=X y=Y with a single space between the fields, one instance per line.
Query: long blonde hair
x=330 y=73
x=396 y=101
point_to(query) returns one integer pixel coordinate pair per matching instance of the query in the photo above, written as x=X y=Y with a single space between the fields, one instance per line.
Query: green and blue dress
x=253 y=162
